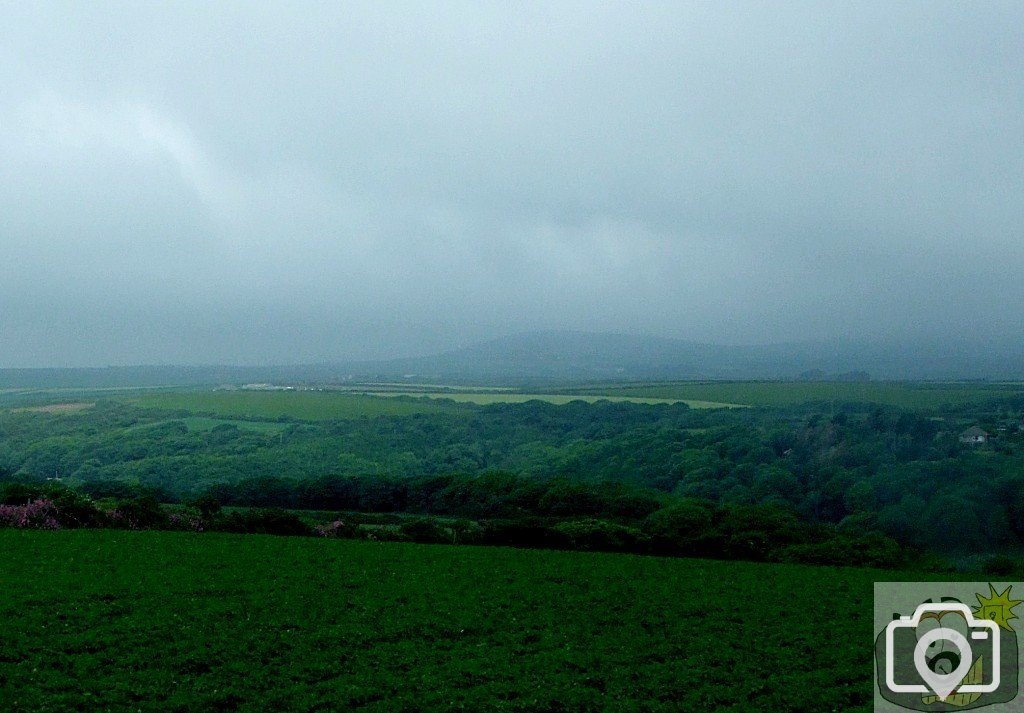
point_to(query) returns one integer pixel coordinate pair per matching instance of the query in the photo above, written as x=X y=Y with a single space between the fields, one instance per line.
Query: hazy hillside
x=582 y=357
x=588 y=356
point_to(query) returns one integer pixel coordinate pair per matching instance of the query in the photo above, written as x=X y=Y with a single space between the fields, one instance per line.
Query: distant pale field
x=513 y=398
x=58 y=408
x=374 y=387
x=782 y=393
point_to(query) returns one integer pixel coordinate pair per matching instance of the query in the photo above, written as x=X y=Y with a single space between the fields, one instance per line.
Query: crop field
x=180 y=621
x=783 y=393
x=46 y=398
x=306 y=405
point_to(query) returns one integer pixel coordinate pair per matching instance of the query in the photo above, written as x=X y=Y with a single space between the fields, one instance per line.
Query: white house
x=974 y=435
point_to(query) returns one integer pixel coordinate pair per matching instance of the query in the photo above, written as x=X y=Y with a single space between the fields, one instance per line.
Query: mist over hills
x=575 y=357
x=586 y=356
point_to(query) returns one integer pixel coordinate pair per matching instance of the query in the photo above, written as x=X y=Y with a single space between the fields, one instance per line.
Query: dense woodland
x=751 y=483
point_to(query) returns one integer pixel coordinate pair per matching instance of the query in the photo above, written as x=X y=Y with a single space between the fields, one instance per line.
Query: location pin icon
x=942 y=684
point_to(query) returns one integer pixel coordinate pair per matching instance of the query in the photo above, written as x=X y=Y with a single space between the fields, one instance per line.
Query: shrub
x=872 y=550
x=754 y=531
x=338 y=528
x=207 y=505
x=139 y=513
x=265 y=522
x=522 y=533
x=599 y=535
x=37 y=514
x=19 y=493
x=1001 y=565
x=424 y=530
x=686 y=527
x=75 y=509
x=178 y=521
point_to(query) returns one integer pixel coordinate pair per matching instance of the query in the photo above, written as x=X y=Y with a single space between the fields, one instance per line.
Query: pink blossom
x=36 y=514
x=333 y=529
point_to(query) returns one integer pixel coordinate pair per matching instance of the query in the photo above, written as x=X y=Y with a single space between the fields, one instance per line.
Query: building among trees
x=974 y=435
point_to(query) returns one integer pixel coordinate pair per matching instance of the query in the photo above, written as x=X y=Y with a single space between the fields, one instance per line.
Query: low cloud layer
x=307 y=182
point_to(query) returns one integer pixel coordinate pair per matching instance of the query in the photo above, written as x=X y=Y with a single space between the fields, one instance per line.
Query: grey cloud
x=308 y=181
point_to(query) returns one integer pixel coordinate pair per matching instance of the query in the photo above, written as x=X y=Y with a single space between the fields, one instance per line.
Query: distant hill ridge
x=577 y=357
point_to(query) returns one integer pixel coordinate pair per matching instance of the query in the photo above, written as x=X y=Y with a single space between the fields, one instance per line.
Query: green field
x=786 y=393
x=158 y=621
x=380 y=400
x=306 y=405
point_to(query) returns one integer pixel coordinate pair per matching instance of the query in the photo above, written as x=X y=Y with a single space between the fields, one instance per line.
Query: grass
x=111 y=620
x=325 y=405
x=782 y=393
x=305 y=405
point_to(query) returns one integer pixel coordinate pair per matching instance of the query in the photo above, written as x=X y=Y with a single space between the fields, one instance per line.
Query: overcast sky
x=291 y=182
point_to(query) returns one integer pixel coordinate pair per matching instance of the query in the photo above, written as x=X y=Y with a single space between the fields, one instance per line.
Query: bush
x=599 y=535
x=522 y=533
x=872 y=550
x=19 y=493
x=265 y=522
x=337 y=528
x=207 y=505
x=37 y=515
x=1000 y=565
x=139 y=513
x=754 y=531
x=686 y=527
x=75 y=510
x=424 y=530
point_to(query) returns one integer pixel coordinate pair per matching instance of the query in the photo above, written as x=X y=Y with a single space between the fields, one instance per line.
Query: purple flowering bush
x=36 y=514
x=191 y=523
x=338 y=528
x=57 y=508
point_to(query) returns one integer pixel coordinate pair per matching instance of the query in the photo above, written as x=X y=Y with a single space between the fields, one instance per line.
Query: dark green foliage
x=142 y=513
x=424 y=530
x=530 y=533
x=19 y=493
x=600 y=535
x=861 y=468
x=264 y=522
x=685 y=526
x=682 y=527
x=207 y=506
x=866 y=551
x=1001 y=565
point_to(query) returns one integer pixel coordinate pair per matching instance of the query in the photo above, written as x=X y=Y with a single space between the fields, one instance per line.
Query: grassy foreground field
x=105 y=620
